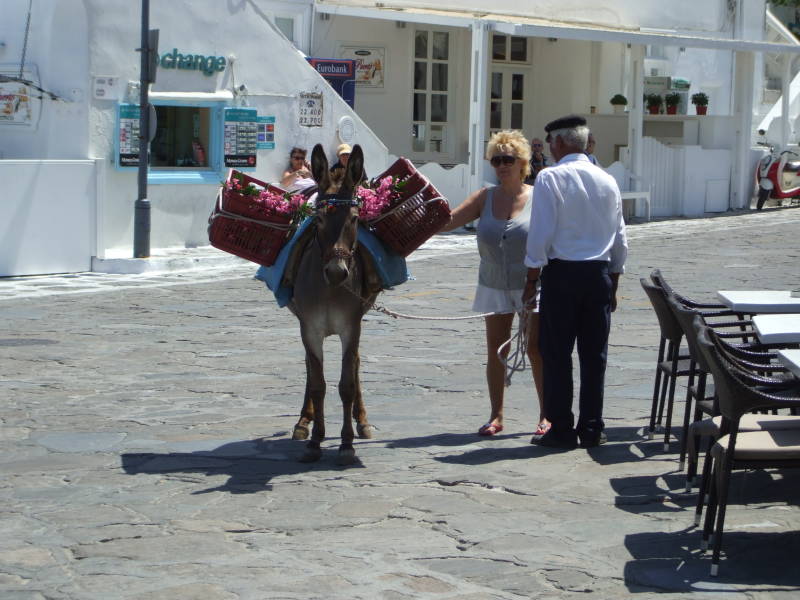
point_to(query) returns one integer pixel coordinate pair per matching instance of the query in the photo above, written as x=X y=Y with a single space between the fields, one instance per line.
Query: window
x=182 y=140
x=430 y=100
x=506 y=99
x=507 y=86
x=286 y=25
x=509 y=48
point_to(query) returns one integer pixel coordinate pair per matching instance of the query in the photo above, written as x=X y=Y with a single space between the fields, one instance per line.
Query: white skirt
x=499 y=301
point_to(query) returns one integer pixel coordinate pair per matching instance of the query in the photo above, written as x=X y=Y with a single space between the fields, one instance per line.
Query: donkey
x=334 y=286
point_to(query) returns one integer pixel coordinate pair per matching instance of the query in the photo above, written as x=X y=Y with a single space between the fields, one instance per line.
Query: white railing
x=661 y=168
x=452 y=182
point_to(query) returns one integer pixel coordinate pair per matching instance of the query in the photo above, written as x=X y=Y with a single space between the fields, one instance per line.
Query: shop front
x=231 y=91
x=456 y=71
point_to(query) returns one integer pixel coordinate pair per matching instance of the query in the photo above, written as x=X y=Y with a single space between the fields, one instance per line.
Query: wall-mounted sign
x=370 y=63
x=106 y=88
x=265 y=139
x=192 y=62
x=310 y=109
x=340 y=74
x=128 y=135
x=240 y=137
x=15 y=103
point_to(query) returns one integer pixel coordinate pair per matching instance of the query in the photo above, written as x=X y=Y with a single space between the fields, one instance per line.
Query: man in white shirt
x=577 y=246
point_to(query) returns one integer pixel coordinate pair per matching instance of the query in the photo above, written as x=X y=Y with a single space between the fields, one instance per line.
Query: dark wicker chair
x=708 y=309
x=750 y=358
x=737 y=449
x=670 y=364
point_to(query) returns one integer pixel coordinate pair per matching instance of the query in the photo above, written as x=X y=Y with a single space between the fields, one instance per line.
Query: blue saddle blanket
x=390 y=266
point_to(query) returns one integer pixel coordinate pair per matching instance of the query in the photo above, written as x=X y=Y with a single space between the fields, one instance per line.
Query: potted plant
x=654 y=102
x=672 y=100
x=700 y=101
x=619 y=102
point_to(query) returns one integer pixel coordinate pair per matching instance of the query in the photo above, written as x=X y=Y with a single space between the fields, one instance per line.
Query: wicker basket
x=414 y=217
x=241 y=226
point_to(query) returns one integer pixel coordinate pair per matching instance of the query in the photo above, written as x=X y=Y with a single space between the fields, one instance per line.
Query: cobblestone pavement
x=145 y=447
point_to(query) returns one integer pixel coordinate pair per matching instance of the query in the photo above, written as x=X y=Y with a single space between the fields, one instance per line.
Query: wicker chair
x=670 y=364
x=773 y=447
x=750 y=358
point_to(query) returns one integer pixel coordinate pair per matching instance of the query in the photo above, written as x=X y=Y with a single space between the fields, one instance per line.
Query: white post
x=786 y=82
x=742 y=176
x=477 y=102
x=636 y=114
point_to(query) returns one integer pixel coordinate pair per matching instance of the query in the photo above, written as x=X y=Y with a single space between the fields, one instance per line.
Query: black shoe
x=593 y=440
x=553 y=439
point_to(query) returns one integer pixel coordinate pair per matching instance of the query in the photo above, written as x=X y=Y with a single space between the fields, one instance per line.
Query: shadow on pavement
x=614 y=452
x=756 y=554
x=673 y=562
x=449 y=439
x=249 y=464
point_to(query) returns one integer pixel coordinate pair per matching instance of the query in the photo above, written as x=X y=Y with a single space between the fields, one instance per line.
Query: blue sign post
x=340 y=74
x=266 y=133
x=240 y=137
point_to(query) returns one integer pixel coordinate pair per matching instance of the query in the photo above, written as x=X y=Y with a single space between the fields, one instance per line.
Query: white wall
x=57 y=50
x=552 y=94
x=708 y=15
x=48 y=223
x=72 y=41
x=388 y=110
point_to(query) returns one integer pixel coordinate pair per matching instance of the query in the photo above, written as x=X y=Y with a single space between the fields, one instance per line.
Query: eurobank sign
x=192 y=62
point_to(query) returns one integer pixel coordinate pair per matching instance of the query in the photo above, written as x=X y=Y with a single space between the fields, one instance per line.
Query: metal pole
x=141 y=220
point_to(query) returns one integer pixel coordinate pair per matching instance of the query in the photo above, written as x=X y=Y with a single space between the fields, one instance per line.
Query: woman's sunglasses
x=298 y=158
x=507 y=160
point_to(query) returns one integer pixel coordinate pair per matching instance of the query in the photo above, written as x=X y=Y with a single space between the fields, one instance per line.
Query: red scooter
x=778 y=176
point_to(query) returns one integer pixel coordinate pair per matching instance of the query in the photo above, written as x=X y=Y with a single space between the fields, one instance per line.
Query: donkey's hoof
x=313 y=452
x=311 y=455
x=300 y=432
x=364 y=431
x=347 y=456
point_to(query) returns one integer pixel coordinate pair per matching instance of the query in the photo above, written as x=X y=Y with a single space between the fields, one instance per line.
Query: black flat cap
x=567 y=122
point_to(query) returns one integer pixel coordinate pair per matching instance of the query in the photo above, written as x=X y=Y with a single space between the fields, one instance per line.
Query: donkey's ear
x=355 y=169
x=319 y=168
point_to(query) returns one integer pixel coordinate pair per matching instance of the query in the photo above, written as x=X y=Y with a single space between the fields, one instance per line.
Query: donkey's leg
x=348 y=391
x=315 y=393
x=301 y=429
x=363 y=428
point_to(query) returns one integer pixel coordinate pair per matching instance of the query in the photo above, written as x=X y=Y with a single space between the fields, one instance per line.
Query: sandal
x=490 y=429
x=541 y=430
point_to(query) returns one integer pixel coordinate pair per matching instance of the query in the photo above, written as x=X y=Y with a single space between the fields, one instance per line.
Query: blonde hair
x=513 y=142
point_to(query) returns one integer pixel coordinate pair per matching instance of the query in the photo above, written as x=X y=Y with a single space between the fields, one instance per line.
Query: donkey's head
x=337 y=214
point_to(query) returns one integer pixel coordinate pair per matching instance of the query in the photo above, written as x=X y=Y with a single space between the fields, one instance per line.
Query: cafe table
x=791 y=360
x=755 y=302
x=777 y=329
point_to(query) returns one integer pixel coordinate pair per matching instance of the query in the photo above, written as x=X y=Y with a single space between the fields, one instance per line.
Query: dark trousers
x=575 y=305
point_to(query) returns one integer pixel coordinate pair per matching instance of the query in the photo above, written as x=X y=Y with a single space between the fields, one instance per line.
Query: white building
x=65 y=155
x=456 y=70
x=436 y=78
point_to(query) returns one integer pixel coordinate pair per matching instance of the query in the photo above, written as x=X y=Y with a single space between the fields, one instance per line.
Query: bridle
x=330 y=202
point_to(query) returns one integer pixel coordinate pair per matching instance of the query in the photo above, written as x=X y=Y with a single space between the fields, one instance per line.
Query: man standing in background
x=577 y=245
x=538 y=160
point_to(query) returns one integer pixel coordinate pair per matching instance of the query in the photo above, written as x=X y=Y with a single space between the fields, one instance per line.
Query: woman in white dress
x=504 y=211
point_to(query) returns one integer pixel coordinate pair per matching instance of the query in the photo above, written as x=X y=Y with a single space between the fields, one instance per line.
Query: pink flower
x=375 y=201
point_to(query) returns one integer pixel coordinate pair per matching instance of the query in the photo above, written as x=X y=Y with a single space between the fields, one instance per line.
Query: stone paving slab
x=145 y=447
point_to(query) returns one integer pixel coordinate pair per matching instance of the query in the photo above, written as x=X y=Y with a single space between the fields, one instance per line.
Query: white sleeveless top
x=501 y=245
x=502 y=272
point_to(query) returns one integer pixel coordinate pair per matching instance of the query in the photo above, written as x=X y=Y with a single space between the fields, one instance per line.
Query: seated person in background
x=538 y=160
x=343 y=155
x=590 y=151
x=298 y=175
